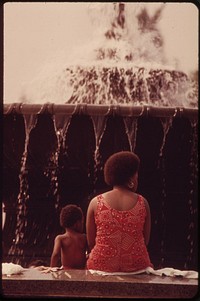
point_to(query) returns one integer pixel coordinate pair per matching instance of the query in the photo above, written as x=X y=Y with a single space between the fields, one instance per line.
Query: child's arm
x=56 y=252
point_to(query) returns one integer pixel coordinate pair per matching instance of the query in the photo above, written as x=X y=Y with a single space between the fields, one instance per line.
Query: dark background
x=34 y=196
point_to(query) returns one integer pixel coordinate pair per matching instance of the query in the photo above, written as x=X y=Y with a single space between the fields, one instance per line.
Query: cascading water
x=23 y=196
x=99 y=124
x=125 y=76
x=124 y=65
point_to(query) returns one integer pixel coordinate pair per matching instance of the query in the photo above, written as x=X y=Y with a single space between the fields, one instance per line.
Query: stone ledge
x=33 y=283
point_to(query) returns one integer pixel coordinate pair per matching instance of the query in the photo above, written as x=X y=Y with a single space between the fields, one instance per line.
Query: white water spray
x=125 y=63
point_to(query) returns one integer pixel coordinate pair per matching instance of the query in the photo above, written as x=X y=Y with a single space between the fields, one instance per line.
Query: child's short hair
x=119 y=167
x=69 y=215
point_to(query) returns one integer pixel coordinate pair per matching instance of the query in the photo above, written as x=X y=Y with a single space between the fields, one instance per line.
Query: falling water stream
x=99 y=124
x=166 y=125
x=30 y=122
x=192 y=229
x=61 y=125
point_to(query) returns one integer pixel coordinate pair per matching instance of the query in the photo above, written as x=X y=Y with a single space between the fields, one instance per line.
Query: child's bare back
x=70 y=248
x=73 y=250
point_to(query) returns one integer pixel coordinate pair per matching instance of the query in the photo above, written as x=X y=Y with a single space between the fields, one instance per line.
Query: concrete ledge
x=81 y=283
x=100 y=110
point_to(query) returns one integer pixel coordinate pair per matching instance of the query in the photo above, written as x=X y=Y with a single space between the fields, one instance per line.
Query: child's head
x=70 y=215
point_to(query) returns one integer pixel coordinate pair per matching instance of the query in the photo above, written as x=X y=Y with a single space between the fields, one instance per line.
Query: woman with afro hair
x=118 y=222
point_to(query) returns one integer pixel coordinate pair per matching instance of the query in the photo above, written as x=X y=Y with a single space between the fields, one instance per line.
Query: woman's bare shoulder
x=146 y=203
x=93 y=203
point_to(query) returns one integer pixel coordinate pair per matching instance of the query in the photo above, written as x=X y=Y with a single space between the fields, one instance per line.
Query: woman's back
x=120 y=199
x=120 y=244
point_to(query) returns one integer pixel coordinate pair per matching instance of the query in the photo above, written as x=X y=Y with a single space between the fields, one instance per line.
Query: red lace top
x=119 y=243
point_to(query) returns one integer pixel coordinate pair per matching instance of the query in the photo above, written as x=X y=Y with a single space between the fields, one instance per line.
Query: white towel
x=171 y=272
x=11 y=268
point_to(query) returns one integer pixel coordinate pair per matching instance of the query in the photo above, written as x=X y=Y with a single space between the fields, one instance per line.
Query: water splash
x=124 y=64
x=125 y=30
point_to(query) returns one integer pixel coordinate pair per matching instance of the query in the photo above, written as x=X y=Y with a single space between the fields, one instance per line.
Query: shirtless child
x=70 y=248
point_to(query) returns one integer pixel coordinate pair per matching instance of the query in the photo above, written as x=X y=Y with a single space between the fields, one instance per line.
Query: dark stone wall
x=33 y=197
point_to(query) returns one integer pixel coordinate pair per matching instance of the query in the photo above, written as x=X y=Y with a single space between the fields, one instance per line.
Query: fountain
x=125 y=65
x=59 y=134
